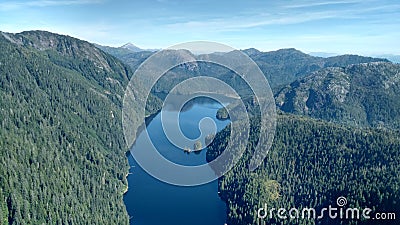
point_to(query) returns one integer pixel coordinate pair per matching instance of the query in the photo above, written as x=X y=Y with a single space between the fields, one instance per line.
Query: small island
x=197 y=145
x=187 y=150
x=222 y=114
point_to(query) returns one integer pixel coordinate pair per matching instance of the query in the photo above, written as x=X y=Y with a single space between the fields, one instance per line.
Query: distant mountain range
x=284 y=66
x=124 y=49
x=323 y=54
x=390 y=57
x=280 y=67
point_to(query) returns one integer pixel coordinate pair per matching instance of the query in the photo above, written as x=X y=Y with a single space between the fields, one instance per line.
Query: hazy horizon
x=341 y=26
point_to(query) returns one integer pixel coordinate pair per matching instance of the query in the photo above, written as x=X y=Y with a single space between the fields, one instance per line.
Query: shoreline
x=126 y=177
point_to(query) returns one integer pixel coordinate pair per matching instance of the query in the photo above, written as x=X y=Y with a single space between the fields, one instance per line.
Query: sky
x=364 y=27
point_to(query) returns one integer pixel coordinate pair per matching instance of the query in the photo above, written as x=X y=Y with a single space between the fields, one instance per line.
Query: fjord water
x=153 y=202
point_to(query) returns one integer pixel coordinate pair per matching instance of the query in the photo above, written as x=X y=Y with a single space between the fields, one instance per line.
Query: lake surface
x=153 y=202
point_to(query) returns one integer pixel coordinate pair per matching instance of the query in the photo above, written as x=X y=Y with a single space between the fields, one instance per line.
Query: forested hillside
x=311 y=164
x=361 y=95
x=352 y=151
x=62 y=153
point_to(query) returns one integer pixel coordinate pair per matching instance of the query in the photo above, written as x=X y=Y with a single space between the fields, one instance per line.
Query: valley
x=63 y=155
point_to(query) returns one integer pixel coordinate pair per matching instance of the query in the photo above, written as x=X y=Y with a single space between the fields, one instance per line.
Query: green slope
x=62 y=152
x=311 y=164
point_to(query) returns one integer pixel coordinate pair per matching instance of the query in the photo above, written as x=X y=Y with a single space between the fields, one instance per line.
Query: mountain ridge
x=62 y=152
x=363 y=95
x=281 y=67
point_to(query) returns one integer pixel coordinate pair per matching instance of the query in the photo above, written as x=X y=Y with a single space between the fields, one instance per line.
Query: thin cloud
x=239 y=23
x=328 y=3
x=13 y=5
x=288 y=15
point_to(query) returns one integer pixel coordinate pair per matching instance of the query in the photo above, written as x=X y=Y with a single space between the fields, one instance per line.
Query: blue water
x=153 y=202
